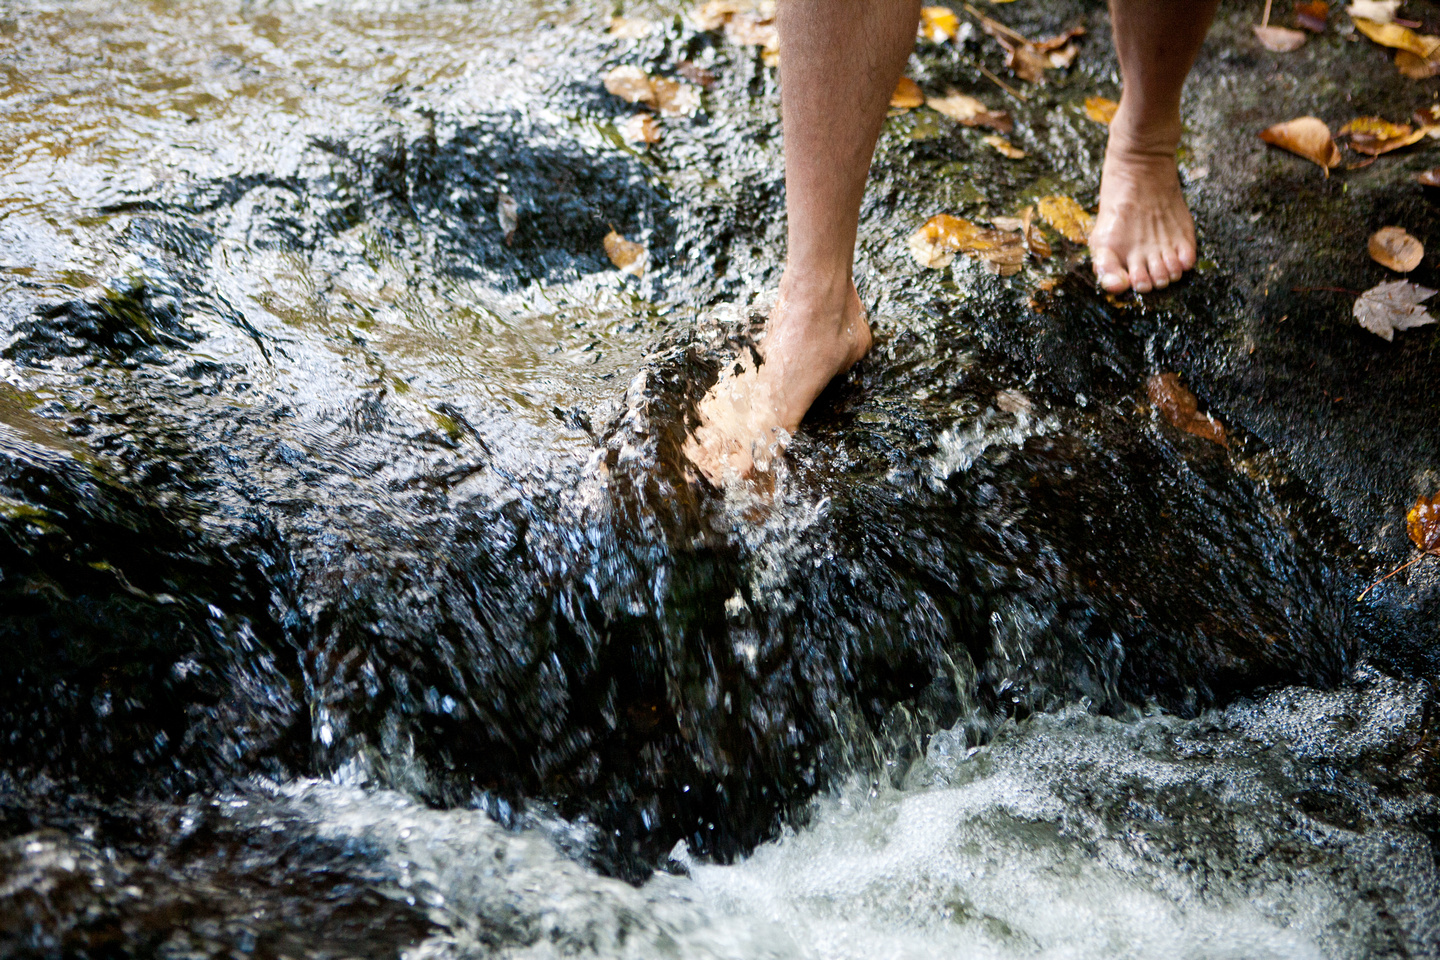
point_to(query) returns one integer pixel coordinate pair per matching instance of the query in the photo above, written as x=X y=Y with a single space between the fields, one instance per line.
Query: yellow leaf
x=934 y=245
x=1066 y=216
x=1392 y=247
x=1005 y=146
x=938 y=24
x=1398 y=37
x=1101 y=109
x=969 y=111
x=1307 y=137
x=628 y=256
x=907 y=94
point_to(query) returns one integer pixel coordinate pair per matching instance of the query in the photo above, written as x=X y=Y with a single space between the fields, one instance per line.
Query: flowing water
x=356 y=601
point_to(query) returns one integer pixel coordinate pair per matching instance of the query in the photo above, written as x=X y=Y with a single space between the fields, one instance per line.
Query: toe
x=1159 y=269
x=1109 y=271
x=1140 y=274
x=1185 y=252
x=1172 y=263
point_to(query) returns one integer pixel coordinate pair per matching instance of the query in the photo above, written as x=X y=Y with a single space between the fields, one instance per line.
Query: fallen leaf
x=695 y=73
x=630 y=84
x=938 y=24
x=1392 y=247
x=1062 y=58
x=674 y=98
x=1280 y=39
x=630 y=28
x=1313 y=15
x=1377 y=11
x=1393 y=306
x=1034 y=239
x=627 y=255
x=1428 y=116
x=1066 y=216
x=1423 y=524
x=1307 y=137
x=1398 y=37
x=507 y=211
x=969 y=111
x=1059 y=41
x=752 y=29
x=907 y=94
x=715 y=14
x=1101 y=109
x=1417 y=68
x=641 y=128
x=1004 y=255
x=1005 y=146
x=1429 y=178
x=1026 y=61
x=1180 y=409
x=1029 y=60
x=1373 y=135
x=934 y=245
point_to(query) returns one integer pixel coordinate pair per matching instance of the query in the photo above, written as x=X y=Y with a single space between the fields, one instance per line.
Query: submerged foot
x=1144 y=236
x=811 y=336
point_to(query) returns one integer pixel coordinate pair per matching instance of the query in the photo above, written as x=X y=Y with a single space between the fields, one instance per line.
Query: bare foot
x=811 y=336
x=1144 y=236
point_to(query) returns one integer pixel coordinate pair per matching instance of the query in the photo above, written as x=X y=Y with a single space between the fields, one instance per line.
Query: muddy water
x=356 y=600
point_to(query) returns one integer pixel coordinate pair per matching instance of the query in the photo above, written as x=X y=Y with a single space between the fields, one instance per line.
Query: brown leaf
x=1101 y=109
x=1423 y=524
x=1034 y=239
x=641 y=128
x=715 y=14
x=907 y=94
x=1059 y=41
x=1005 y=146
x=938 y=24
x=1066 y=216
x=1280 y=39
x=630 y=28
x=1429 y=178
x=695 y=73
x=1313 y=15
x=1062 y=58
x=1392 y=306
x=1180 y=409
x=1004 y=252
x=674 y=98
x=1427 y=116
x=934 y=245
x=1026 y=61
x=630 y=84
x=752 y=29
x=1417 y=68
x=1307 y=137
x=628 y=256
x=1373 y=136
x=1398 y=37
x=1392 y=247
x=969 y=111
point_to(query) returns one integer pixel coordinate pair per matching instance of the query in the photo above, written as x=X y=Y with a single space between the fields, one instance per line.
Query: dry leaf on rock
x=1005 y=146
x=1429 y=178
x=1307 y=137
x=938 y=24
x=1101 y=109
x=630 y=28
x=641 y=128
x=715 y=14
x=907 y=94
x=630 y=84
x=1180 y=409
x=1393 y=306
x=1379 y=11
x=674 y=98
x=627 y=255
x=1392 y=247
x=1029 y=60
x=969 y=111
x=934 y=245
x=1034 y=239
x=1373 y=136
x=1313 y=15
x=1280 y=39
x=1417 y=68
x=1006 y=253
x=1066 y=216
x=1398 y=37
x=695 y=73
x=1423 y=524
x=753 y=29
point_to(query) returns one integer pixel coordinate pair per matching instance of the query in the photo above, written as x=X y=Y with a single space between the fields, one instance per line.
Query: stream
x=356 y=600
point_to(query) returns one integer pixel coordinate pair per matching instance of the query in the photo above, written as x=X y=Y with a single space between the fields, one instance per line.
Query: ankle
x=824 y=300
x=1140 y=130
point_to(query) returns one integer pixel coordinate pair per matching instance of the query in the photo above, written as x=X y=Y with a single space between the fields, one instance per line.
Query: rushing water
x=355 y=598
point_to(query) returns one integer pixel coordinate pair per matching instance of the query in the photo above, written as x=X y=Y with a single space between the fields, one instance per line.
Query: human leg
x=841 y=60
x=1144 y=236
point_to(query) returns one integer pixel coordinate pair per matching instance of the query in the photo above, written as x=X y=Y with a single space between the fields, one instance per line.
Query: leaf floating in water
x=1313 y=15
x=1066 y=216
x=1373 y=136
x=907 y=95
x=627 y=255
x=1101 y=109
x=1397 y=37
x=630 y=28
x=938 y=24
x=1280 y=39
x=631 y=84
x=1005 y=146
x=1394 y=248
x=674 y=98
x=1378 y=11
x=969 y=111
x=1306 y=137
x=641 y=128
x=1423 y=524
x=1393 y=306
x=1180 y=409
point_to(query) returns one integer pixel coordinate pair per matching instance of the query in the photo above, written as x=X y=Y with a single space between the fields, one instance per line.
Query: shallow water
x=329 y=513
